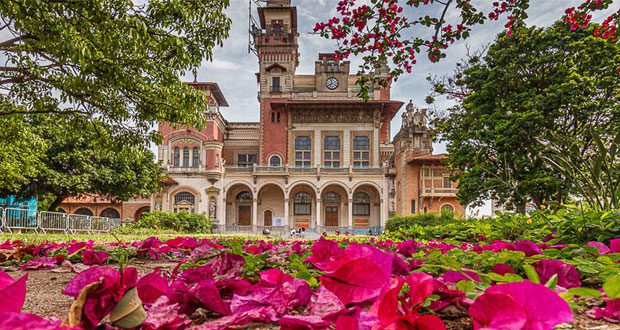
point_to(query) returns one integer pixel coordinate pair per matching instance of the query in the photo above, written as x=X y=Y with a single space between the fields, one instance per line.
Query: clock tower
x=277 y=49
x=330 y=74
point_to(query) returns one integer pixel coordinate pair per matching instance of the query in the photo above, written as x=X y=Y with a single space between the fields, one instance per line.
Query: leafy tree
x=99 y=69
x=76 y=158
x=117 y=60
x=400 y=30
x=537 y=84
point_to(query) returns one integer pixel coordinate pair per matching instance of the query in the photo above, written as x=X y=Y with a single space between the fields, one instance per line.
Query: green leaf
x=465 y=286
x=612 y=287
x=531 y=274
x=552 y=282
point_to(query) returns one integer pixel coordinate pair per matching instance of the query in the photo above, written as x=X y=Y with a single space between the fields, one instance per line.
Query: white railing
x=14 y=219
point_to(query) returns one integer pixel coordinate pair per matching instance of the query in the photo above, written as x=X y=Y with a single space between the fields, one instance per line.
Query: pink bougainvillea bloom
x=502 y=269
x=324 y=252
x=163 y=315
x=454 y=276
x=302 y=322
x=275 y=292
x=614 y=245
x=568 y=276
x=94 y=257
x=152 y=286
x=12 y=292
x=100 y=302
x=520 y=305
x=12 y=320
x=528 y=247
x=359 y=275
x=324 y=302
x=208 y=295
x=602 y=248
x=610 y=313
x=39 y=263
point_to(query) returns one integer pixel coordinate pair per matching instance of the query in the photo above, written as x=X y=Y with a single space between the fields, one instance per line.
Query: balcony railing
x=439 y=192
x=276 y=89
x=181 y=169
x=292 y=170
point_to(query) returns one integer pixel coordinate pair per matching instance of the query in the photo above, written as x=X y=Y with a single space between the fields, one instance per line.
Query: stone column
x=350 y=213
x=318 y=213
x=254 y=213
x=383 y=214
x=222 y=211
x=286 y=207
x=318 y=146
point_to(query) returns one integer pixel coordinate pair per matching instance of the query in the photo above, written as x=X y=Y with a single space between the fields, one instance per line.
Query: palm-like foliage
x=592 y=171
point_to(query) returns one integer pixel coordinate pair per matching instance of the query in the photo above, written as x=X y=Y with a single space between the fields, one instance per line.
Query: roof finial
x=195 y=72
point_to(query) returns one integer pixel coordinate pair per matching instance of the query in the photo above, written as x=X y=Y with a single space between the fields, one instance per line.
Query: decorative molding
x=331 y=116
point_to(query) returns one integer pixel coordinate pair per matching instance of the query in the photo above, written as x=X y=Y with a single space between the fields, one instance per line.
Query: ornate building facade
x=318 y=158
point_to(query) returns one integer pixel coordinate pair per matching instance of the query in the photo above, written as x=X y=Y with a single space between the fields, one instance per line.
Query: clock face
x=331 y=83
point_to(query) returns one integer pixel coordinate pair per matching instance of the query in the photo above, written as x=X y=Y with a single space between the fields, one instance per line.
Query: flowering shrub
x=342 y=284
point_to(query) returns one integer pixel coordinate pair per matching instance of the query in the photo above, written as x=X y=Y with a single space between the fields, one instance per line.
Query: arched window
x=217 y=160
x=273 y=117
x=361 y=204
x=244 y=196
x=331 y=151
x=331 y=197
x=278 y=117
x=274 y=161
x=110 y=213
x=84 y=211
x=186 y=157
x=176 y=157
x=447 y=208
x=302 y=204
x=195 y=157
x=184 y=201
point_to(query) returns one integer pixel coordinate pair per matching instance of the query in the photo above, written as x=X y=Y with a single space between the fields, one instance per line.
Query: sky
x=233 y=68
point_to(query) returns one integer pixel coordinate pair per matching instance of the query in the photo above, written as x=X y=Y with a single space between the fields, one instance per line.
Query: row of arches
x=303 y=205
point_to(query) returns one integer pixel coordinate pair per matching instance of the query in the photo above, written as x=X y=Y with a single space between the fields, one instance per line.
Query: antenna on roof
x=253 y=27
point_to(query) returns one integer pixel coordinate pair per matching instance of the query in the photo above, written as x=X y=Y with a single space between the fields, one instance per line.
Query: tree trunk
x=56 y=203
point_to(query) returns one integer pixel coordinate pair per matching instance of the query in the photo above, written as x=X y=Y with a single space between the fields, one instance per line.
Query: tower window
x=278 y=116
x=186 y=157
x=277 y=29
x=275 y=84
x=273 y=117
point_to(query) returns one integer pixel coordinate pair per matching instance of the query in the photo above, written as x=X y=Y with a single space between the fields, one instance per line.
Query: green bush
x=182 y=222
x=422 y=219
x=566 y=225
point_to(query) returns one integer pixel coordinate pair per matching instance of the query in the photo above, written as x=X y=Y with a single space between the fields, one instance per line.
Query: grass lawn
x=34 y=238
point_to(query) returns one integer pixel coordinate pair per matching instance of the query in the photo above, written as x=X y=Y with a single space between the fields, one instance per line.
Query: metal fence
x=13 y=220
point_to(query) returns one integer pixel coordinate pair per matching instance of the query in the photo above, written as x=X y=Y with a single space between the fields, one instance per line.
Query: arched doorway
x=366 y=207
x=84 y=211
x=335 y=211
x=140 y=212
x=268 y=218
x=244 y=208
x=303 y=200
x=270 y=198
x=110 y=213
x=239 y=200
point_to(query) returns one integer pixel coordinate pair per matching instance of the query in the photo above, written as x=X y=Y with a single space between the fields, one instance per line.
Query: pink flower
x=93 y=257
x=12 y=293
x=610 y=313
x=568 y=276
x=10 y=320
x=152 y=286
x=359 y=275
x=602 y=248
x=520 y=305
x=502 y=269
x=39 y=263
x=101 y=301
